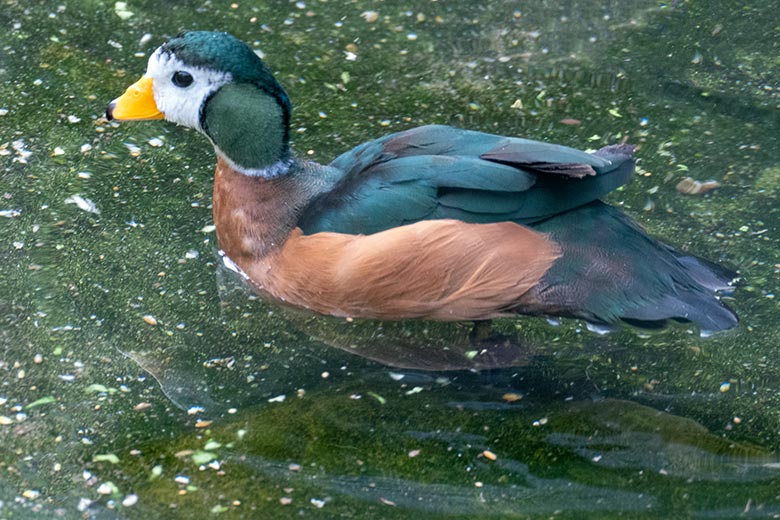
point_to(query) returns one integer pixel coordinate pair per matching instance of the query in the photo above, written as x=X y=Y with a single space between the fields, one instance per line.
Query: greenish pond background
x=139 y=380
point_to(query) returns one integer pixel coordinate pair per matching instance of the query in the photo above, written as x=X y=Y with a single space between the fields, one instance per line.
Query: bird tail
x=611 y=270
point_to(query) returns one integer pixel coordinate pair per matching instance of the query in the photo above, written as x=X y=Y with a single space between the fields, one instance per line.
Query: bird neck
x=253 y=215
x=249 y=129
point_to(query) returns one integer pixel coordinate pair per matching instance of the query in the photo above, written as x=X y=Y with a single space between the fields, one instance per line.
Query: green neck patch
x=247 y=125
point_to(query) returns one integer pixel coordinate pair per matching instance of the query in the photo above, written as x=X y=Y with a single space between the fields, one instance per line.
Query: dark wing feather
x=444 y=172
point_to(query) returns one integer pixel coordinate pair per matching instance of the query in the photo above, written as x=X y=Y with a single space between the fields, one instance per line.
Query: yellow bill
x=136 y=103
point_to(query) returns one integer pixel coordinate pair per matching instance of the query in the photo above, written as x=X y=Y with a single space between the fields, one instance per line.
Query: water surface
x=139 y=379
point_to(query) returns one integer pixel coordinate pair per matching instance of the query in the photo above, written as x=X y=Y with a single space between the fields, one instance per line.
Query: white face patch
x=182 y=105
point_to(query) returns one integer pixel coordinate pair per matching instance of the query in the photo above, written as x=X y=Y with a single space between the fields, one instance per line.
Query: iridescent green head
x=214 y=83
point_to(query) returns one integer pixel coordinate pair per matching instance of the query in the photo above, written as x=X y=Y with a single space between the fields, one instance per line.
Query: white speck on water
x=370 y=16
x=82 y=203
x=22 y=153
x=601 y=330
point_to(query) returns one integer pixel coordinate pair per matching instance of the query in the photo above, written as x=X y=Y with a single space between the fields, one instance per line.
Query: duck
x=434 y=222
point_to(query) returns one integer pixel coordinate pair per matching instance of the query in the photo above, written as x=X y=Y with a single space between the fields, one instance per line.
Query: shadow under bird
x=434 y=222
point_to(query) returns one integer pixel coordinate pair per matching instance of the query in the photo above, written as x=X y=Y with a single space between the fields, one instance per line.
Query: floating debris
x=379 y=398
x=107 y=488
x=200 y=457
x=22 y=153
x=106 y=457
x=130 y=500
x=212 y=445
x=134 y=149
x=149 y=319
x=74 y=119
x=43 y=400
x=82 y=203
x=571 y=121
x=489 y=455
x=511 y=397
x=120 y=8
x=10 y=213
x=725 y=387
x=31 y=494
x=690 y=186
x=370 y=16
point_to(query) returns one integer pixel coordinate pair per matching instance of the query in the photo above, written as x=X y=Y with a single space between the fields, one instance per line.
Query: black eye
x=182 y=79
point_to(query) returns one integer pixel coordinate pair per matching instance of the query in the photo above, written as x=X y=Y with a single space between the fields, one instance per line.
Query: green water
x=221 y=406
